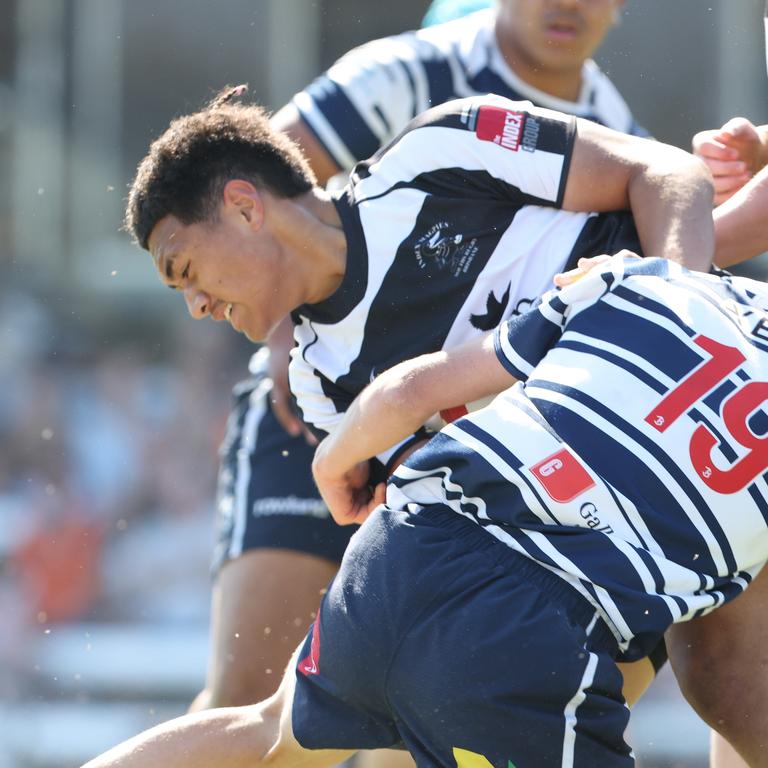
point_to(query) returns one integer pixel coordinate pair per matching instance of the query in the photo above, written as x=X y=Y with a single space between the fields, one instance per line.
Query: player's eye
x=185 y=273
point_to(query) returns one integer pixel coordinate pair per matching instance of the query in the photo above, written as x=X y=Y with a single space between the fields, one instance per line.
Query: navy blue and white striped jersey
x=451 y=229
x=632 y=460
x=371 y=93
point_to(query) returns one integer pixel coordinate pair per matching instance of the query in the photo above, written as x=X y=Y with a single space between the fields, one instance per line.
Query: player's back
x=675 y=363
x=631 y=461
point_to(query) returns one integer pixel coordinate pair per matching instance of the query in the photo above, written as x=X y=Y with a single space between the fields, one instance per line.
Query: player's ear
x=243 y=199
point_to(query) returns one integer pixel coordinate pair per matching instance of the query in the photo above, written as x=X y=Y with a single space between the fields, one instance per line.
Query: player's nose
x=198 y=303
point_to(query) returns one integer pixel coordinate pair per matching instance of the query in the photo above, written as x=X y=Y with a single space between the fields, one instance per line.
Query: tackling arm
x=668 y=190
x=390 y=409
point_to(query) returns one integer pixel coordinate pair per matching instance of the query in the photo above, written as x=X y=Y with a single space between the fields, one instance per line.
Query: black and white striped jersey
x=452 y=228
x=632 y=461
x=371 y=93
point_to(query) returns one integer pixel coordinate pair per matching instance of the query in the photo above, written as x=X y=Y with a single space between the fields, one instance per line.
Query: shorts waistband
x=578 y=609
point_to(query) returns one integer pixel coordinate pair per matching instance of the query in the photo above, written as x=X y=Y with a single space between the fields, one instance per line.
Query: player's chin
x=252 y=330
x=256 y=336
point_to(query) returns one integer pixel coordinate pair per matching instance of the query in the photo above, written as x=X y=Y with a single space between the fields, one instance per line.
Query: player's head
x=197 y=204
x=555 y=34
x=187 y=166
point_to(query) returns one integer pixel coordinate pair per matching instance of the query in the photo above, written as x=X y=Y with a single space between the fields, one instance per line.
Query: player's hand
x=733 y=153
x=280 y=342
x=349 y=497
x=583 y=267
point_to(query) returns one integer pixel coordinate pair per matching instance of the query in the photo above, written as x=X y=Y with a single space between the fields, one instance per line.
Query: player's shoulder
x=716 y=285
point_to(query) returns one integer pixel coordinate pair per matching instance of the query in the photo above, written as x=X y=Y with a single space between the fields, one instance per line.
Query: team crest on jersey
x=507 y=128
x=439 y=248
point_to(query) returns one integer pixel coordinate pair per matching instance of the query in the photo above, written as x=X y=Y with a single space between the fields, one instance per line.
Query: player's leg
x=638 y=675
x=722 y=754
x=384 y=758
x=231 y=737
x=263 y=602
x=504 y=663
x=437 y=636
x=278 y=548
x=721 y=663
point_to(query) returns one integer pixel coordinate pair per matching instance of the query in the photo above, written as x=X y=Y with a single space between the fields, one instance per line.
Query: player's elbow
x=678 y=173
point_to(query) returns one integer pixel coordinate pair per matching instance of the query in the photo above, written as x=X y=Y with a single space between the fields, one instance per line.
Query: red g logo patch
x=562 y=476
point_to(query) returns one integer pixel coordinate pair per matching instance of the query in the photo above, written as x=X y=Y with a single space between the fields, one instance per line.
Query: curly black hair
x=186 y=169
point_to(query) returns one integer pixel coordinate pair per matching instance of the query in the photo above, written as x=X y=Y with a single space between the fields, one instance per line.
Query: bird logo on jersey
x=494 y=311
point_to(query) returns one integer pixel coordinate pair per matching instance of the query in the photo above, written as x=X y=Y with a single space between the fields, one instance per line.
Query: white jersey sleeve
x=509 y=150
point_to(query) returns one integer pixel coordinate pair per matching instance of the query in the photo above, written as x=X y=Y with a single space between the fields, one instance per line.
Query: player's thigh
x=721 y=663
x=638 y=675
x=263 y=603
x=287 y=750
x=722 y=754
x=726 y=649
x=384 y=758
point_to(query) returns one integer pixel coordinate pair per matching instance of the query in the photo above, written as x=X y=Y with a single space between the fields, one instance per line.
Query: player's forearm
x=741 y=223
x=669 y=191
x=671 y=201
x=400 y=400
x=387 y=412
x=219 y=737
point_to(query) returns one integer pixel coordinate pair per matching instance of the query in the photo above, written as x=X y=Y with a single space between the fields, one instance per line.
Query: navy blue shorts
x=266 y=495
x=436 y=637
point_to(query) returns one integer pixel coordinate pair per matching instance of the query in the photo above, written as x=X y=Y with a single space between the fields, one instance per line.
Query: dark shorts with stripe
x=437 y=637
x=266 y=495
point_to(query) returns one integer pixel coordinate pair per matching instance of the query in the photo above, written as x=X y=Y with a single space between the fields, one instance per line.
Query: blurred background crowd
x=112 y=403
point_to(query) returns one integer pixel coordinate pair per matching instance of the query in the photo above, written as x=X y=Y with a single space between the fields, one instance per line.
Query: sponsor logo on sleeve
x=562 y=476
x=507 y=128
x=501 y=126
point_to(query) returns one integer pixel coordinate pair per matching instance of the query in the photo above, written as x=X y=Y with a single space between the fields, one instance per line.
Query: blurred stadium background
x=113 y=403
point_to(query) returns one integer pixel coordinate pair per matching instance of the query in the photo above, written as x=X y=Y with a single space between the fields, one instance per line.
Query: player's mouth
x=562 y=28
x=222 y=311
x=229 y=317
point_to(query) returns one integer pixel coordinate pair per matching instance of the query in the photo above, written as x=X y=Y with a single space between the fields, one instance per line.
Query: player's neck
x=312 y=230
x=564 y=83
